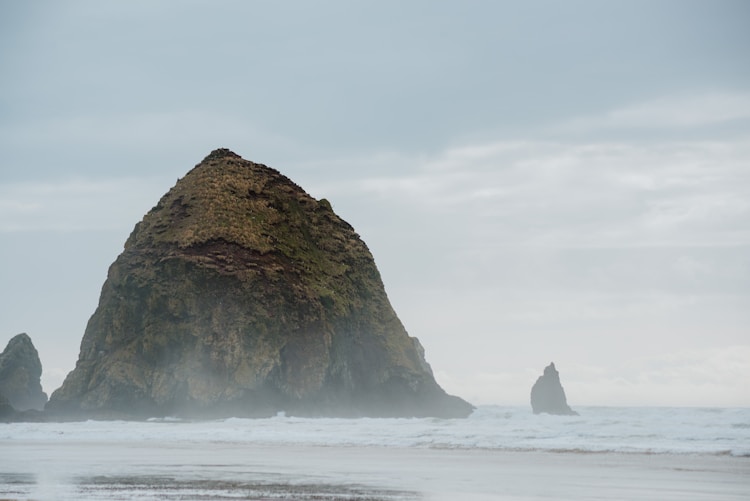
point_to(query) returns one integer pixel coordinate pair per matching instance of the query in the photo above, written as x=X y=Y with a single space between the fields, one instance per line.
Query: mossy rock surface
x=240 y=294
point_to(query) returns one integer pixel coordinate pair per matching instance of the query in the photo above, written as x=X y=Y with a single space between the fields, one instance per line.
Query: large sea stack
x=239 y=294
x=20 y=376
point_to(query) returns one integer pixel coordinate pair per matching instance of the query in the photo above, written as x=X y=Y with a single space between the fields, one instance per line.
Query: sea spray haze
x=239 y=294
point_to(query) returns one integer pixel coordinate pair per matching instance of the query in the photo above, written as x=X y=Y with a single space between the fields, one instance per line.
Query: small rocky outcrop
x=20 y=374
x=548 y=395
x=239 y=294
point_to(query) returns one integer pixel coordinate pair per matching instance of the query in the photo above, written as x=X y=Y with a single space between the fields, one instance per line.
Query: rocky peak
x=20 y=373
x=240 y=294
x=548 y=395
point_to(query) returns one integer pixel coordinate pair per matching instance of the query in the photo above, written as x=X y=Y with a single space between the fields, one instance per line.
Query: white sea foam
x=598 y=429
x=497 y=453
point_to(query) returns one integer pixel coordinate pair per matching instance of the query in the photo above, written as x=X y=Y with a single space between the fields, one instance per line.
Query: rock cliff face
x=7 y=412
x=20 y=373
x=548 y=395
x=239 y=294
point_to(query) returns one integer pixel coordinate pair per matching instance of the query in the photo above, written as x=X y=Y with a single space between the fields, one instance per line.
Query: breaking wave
x=644 y=430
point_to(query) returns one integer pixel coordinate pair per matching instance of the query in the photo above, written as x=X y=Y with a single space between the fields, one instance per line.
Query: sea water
x=302 y=458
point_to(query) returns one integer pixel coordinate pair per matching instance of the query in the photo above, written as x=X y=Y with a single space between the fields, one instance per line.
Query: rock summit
x=239 y=294
x=548 y=395
x=20 y=373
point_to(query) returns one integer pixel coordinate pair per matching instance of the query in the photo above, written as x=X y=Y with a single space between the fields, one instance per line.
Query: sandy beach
x=168 y=470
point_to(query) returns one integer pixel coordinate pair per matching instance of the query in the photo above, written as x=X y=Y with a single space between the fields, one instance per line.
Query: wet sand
x=139 y=470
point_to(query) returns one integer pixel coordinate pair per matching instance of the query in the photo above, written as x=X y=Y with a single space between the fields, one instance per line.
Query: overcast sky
x=538 y=181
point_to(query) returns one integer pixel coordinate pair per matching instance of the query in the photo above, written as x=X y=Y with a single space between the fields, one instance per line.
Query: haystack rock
x=239 y=294
x=20 y=373
x=548 y=395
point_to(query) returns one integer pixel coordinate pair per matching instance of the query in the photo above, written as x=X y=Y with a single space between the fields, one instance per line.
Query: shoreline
x=83 y=470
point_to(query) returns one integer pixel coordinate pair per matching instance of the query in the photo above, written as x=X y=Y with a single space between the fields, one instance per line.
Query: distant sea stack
x=239 y=294
x=548 y=395
x=20 y=376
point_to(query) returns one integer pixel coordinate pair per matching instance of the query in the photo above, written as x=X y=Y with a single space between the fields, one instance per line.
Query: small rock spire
x=548 y=395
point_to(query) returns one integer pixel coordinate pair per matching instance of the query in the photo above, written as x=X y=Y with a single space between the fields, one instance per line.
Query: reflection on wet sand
x=25 y=486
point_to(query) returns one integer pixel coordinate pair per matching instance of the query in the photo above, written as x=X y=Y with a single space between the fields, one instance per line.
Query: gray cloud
x=576 y=195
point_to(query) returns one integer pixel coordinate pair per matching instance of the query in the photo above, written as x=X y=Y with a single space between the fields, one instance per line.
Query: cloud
x=77 y=205
x=684 y=111
x=139 y=129
x=714 y=376
x=554 y=194
x=669 y=113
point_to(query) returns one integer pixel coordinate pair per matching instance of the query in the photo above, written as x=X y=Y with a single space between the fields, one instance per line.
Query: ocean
x=497 y=453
